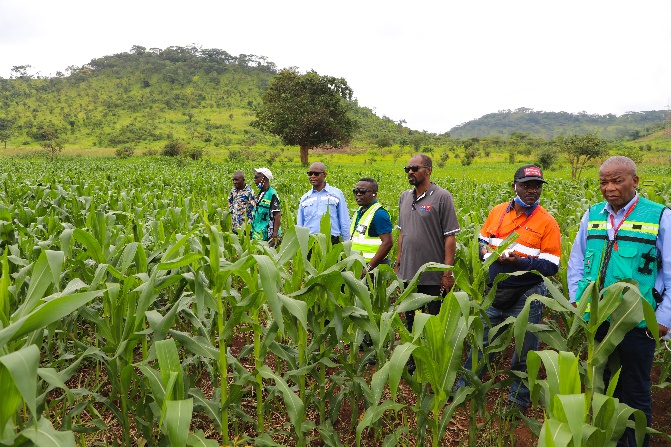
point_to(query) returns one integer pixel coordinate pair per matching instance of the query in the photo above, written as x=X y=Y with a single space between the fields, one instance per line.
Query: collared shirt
x=313 y=205
x=241 y=205
x=663 y=281
x=425 y=222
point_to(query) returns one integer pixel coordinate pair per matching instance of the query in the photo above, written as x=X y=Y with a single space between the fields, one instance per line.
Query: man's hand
x=663 y=330
x=447 y=282
x=509 y=258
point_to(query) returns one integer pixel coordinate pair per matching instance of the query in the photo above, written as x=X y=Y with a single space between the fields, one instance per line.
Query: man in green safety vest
x=266 y=222
x=370 y=229
x=627 y=237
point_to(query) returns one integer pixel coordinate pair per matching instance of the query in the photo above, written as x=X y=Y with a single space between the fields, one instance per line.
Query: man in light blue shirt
x=636 y=234
x=314 y=203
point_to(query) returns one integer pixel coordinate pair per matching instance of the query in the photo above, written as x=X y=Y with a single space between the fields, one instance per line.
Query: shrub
x=124 y=151
x=174 y=148
x=384 y=141
x=193 y=153
x=150 y=152
x=547 y=157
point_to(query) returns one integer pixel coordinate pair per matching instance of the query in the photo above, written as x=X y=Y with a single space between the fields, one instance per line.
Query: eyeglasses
x=357 y=191
x=413 y=168
x=315 y=173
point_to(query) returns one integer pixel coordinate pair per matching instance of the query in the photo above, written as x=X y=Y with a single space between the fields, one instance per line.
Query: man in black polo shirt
x=428 y=224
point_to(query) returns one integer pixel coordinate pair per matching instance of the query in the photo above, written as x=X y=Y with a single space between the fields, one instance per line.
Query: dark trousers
x=335 y=240
x=634 y=354
x=432 y=308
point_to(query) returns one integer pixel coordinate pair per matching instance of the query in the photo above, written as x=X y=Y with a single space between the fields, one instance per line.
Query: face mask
x=259 y=185
x=524 y=205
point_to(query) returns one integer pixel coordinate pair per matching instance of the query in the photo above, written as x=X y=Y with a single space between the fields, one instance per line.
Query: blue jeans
x=634 y=355
x=518 y=393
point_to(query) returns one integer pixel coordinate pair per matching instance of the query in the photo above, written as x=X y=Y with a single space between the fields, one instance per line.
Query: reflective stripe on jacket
x=367 y=245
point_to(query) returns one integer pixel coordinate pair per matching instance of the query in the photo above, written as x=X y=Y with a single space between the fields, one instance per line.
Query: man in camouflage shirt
x=240 y=201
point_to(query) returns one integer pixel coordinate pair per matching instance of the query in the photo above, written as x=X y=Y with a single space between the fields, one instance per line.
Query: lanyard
x=616 y=229
x=501 y=236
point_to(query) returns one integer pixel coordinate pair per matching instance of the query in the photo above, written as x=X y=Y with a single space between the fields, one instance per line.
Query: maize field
x=131 y=315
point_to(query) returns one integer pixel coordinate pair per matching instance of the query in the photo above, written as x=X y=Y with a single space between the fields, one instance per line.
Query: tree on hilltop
x=580 y=149
x=307 y=111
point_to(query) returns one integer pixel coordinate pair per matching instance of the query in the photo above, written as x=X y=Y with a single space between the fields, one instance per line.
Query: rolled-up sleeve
x=576 y=259
x=663 y=283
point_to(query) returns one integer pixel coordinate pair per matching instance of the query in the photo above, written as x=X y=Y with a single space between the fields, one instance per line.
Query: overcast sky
x=435 y=64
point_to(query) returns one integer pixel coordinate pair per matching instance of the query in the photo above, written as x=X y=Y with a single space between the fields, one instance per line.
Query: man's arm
x=300 y=218
x=397 y=263
x=663 y=312
x=447 y=282
x=343 y=218
x=382 y=251
x=276 y=228
x=577 y=258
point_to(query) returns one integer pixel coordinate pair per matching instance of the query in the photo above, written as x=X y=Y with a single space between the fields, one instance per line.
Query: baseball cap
x=529 y=173
x=265 y=171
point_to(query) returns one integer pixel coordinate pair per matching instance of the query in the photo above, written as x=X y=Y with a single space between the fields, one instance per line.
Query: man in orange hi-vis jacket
x=538 y=247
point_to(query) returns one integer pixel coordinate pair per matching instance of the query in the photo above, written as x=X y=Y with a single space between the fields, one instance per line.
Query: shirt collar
x=325 y=188
x=428 y=191
x=609 y=209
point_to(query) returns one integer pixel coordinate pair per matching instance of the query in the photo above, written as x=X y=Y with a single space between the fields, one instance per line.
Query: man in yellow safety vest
x=370 y=229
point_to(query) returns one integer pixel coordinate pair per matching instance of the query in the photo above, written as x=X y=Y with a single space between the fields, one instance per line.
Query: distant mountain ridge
x=549 y=125
x=146 y=97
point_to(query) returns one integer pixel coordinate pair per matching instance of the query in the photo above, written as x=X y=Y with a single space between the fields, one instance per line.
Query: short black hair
x=371 y=181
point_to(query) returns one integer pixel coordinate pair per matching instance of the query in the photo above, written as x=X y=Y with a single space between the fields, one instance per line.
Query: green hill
x=548 y=125
x=145 y=98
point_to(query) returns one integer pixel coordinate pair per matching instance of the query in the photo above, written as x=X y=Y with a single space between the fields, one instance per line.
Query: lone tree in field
x=307 y=110
x=581 y=149
x=51 y=143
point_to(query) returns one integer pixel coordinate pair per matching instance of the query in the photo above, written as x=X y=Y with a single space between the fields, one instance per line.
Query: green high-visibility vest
x=367 y=245
x=636 y=254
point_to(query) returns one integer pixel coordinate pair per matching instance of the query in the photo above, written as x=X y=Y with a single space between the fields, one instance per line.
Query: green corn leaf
x=293 y=404
x=198 y=345
x=155 y=380
x=178 y=263
x=212 y=408
x=5 y=294
x=178 y=420
x=22 y=366
x=11 y=397
x=569 y=374
x=40 y=280
x=198 y=439
x=168 y=360
x=373 y=414
x=297 y=308
x=176 y=247
x=269 y=276
x=93 y=248
x=626 y=316
x=47 y=313
x=43 y=434
x=414 y=301
x=397 y=363
x=127 y=257
x=572 y=412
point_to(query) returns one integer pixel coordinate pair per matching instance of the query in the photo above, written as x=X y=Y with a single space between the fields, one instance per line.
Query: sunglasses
x=361 y=191
x=315 y=173
x=413 y=168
